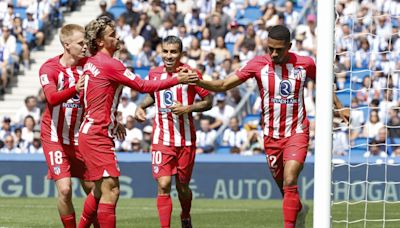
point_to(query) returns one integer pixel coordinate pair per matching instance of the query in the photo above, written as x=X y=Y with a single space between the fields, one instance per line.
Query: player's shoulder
x=51 y=65
x=261 y=60
x=302 y=60
x=156 y=71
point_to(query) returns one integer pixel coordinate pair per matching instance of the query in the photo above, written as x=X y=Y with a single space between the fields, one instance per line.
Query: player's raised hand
x=80 y=84
x=120 y=132
x=186 y=75
x=345 y=114
x=140 y=114
x=179 y=109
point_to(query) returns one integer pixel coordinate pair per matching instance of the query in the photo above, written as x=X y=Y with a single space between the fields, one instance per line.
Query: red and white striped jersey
x=281 y=89
x=63 y=114
x=168 y=128
x=104 y=80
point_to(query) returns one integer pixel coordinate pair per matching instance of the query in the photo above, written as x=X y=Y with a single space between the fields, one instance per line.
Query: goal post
x=323 y=118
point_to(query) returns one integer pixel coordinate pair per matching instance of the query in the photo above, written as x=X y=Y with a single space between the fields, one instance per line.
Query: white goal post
x=323 y=118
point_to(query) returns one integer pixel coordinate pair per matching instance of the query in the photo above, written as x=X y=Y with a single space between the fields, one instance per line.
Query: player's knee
x=290 y=181
x=65 y=192
x=182 y=188
x=115 y=191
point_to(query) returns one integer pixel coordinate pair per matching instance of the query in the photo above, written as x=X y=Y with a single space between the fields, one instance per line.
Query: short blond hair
x=68 y=30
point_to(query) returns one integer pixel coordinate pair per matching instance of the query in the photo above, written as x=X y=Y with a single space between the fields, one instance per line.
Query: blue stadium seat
x=252 y=13
x=223 y=150
x=119 y=3
x=251 y=119
x=357 y=151
x=344 y=97
x=117 y=10
x=230 y=47
x=142 y=71
x=360 y=143
x=21 y=11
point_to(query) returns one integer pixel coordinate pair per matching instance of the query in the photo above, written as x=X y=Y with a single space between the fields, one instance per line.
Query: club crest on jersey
x=156 y=169
x=298 y=74
x=44 y=79
x=285 y=88
x=57 y=170
x=168 y=98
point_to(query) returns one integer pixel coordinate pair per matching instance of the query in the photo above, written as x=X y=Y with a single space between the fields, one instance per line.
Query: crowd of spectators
x=367 y=68
x=217 y=40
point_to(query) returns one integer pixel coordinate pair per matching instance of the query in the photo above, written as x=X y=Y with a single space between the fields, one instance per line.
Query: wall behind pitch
x=214 y=176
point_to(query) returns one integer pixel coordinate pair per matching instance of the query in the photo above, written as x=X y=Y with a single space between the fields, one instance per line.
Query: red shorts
x=279 y=151
x=169 y=161
x=64 y=161
x=99 y=156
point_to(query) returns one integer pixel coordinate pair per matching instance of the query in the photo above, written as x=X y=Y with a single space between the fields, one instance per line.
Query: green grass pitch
x=42 y=212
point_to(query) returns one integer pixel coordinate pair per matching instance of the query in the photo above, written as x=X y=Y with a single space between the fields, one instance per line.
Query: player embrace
x=281 y=77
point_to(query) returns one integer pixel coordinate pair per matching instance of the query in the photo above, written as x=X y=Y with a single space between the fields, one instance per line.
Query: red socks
x=186 y=205
x=164 y=206
x=291 y=206
x=68 y=220
x=106 y=215
x=89 y=212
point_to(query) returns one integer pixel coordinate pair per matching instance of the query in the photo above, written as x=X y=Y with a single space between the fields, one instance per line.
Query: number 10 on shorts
x=156 y=157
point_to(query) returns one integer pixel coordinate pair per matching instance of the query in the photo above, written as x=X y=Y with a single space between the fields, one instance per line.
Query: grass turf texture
x=42 y=212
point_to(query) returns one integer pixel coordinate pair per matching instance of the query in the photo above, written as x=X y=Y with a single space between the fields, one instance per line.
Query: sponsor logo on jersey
x=285 y=88
x=168 y=98
x=71 y=105
x=44 y=79
x=164 y=110
x=57 y=170
x=284 y=101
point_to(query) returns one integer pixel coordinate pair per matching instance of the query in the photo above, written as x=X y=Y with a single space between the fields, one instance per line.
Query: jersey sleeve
x=247 y=71
x=49 y=80
x=311 y=69
x=201 y=91
x=121 y=74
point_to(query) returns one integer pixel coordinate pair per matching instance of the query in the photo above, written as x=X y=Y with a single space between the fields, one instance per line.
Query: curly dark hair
x=95 y=31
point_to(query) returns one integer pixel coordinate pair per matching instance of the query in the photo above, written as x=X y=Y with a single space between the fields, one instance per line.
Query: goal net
x=365 y=184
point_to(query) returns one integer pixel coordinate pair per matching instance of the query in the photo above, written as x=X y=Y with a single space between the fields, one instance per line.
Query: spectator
x=220 y=51
x=132 y=133
x=9 y=147
x=207 y=43
x=5 y=128
x=167 y=28
x=254 y=143
x=205 y=137
x=20 y=143
x=9 y=41
x=126 y=107
x=373 y=125
x=4 y=60
x=28 y=129
x=136 y=145
x=291 y=17
x=194 y=23
x=356 y=119
x=178 y=17
x=104 y=12
x=221 y=112
x=30 y=108
x=146 y=142
x=156 y=14
x=146 y=57
x=122 y=28
x=195 y=52
x=374 y=150
x=233 y=34
x=34 y=36
x=36 y=146
x=134 y=42
x=147 y=31
x=216 y=27
x=235 y=136
x=131 y=17
x=185 y=37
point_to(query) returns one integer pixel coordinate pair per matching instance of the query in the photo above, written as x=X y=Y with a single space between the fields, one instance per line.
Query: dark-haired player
x=174 y=134
x=281 y=76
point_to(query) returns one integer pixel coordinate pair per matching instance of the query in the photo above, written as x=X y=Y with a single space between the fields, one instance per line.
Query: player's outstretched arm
x=221 y=85
x=343 y=112
x=140 y=113
x=200 y=106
